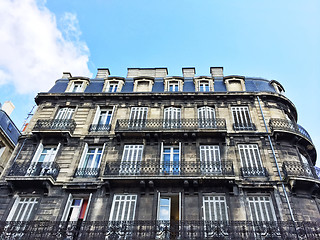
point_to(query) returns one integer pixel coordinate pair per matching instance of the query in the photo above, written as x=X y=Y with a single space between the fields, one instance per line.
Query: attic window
x=77 y=84
x=143 y=84
x=174 y=84
x=235 y=83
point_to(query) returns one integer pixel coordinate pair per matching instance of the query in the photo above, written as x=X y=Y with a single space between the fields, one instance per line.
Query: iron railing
x=244 y=127
x=87 y=172
x=154 y=168
x=286 y=125
x=148 y=230
x=298 y=169
x=55 y=125
x=99 y=127
x=254 y=172
x=167 y=124
x=35 y=169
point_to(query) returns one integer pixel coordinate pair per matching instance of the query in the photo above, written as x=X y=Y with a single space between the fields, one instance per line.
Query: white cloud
x=33 y=51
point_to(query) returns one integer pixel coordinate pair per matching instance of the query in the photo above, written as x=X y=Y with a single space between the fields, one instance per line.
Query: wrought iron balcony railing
x=154 y=168
x=167 y=124
x=286 y=125
x=87 y=172
x=34 y=169
x=99 y=128
x=55 y=125
x=148 y=230
x=254 y=172
x=244 y=127
x=297 y=169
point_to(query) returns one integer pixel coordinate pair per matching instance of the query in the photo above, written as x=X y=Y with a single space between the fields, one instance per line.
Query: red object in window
x=83 y=208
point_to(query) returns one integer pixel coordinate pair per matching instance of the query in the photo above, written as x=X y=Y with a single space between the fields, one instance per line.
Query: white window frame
x=131 y=159
x=138 y=117
x=2 y=148
x=172 y=117
x=74 y=87
x=83 y=164
x=241 y=118
x=210 y=159
x=176 y=85
x=97 y=117
x=206 y=117
x=172 y=169
x=206 y=87
x=23 y=209
x=123 y=207
x=215 y=208
x=162 y=196
x=46 y=164
x=76 y=210
x=112 y=86
x=64 y=113
x=261 y=208
x=250 y=158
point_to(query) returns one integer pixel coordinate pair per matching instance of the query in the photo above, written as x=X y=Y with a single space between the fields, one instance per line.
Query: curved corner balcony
x=167 y=125
x=299 y=170
x=55 y=126
x=277 y=124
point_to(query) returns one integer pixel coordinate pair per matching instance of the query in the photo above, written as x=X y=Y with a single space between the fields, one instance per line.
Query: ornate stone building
x=153 y=156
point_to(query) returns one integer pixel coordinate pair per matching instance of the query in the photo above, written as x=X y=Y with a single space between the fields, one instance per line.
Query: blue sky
x=271 y=39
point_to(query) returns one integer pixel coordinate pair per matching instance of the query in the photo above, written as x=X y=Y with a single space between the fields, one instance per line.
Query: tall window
x=42 y=161
x=305 y=164
x=210 y=159
x=241 y=118
x=131 y=159
x=90 y=162
x=172 y=117
x=76 y=209
x=170 y=160
x=250 y=160
x=112 y=86
x=123 y=207
x=204 y=86
x=102 y=119
x=173 y=86
x=138 y=117
x=2 y=148
x=261 y=208
x=65 y=113
x=215 y=208
x=23 y=209
x=206 y=117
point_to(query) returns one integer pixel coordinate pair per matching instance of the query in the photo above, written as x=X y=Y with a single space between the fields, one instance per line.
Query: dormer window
x=174 y=85
x=77 y=84
x=235 y=83
x=143 y=84
x=113 y=84
x=203 y=84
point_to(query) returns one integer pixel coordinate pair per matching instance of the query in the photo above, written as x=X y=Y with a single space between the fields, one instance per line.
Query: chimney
x=8 y=107
x=66 y=75
x=216 y=71
x=103 y=73
x=188 y=72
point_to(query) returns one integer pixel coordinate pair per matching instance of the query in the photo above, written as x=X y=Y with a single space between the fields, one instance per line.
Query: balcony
x=154 y=168
x=254 y=172
x=288 y=126
x=87 y=172
x=244 y=127
x=297 y=169
x=127 y=125
x=55 y=126
x=34 y=170
x=99 y=128
x=148 y=230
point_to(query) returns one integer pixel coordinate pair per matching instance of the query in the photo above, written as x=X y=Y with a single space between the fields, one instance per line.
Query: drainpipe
x=276 y=161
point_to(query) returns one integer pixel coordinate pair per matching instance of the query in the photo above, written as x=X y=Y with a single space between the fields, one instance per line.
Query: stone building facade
x=152 y=156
